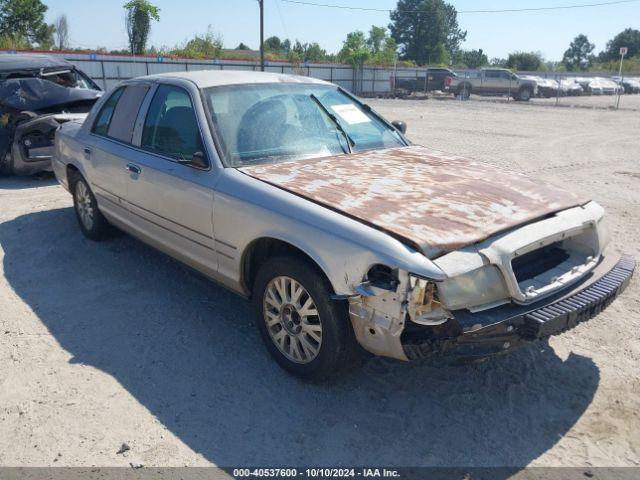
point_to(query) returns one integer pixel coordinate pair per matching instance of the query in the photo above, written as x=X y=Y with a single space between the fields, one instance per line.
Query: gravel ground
x=110 y=343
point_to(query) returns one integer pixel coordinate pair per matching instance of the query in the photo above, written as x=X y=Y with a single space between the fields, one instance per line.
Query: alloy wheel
x=84 y=205
x=292 y=319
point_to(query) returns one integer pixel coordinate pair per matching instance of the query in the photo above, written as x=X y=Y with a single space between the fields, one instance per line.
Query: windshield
x=69 y=79
x=65 y=77
x=270 y=123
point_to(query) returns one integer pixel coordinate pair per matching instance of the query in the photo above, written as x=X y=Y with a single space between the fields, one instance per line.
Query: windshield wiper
x=336 y=122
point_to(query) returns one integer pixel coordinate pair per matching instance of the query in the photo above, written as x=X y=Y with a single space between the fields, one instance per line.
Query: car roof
x=215 y=78
x=16 y=62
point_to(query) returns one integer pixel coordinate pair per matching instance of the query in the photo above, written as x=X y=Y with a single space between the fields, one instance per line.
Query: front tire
x=91 y=221
x=304 y=330
x=524 y=95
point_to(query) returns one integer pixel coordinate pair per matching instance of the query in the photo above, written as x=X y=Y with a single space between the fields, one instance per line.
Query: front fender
x=247 y=209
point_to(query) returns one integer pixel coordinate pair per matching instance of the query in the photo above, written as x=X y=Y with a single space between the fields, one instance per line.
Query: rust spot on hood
x=437 y=201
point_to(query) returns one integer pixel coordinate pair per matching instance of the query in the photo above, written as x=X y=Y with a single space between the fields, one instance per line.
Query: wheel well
x=72 y=172
x=259 y=251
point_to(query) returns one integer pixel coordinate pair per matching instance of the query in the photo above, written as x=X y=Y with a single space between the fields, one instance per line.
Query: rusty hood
x=435 y=201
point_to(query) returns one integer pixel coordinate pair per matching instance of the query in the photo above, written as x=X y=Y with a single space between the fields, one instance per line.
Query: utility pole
x=623 y=52
x=261 y=2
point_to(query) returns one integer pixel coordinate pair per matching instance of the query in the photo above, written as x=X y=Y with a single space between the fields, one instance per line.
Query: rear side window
x=118 y=116
x=126 y=112
x=101 y=125
x=171 y=127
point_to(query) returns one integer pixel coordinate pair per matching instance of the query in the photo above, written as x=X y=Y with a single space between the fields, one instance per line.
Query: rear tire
x=6 y=163
x=464 y=92
x=92 y=223
x=305 y=331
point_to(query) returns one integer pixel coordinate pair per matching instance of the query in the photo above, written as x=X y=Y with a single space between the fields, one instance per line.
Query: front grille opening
x=532 y=264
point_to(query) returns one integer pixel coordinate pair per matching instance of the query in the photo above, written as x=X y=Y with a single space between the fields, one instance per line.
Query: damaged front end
x=524 y=285
x=31 y=110
x=383 y=313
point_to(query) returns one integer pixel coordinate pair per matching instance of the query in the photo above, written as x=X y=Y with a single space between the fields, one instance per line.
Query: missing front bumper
x=503 y=329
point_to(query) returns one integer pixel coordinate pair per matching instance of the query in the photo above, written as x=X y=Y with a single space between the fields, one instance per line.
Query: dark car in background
x=38 y=93
x=433 y=80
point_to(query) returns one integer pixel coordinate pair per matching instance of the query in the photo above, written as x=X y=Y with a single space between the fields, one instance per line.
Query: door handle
x=87 y=151
x=134 y=168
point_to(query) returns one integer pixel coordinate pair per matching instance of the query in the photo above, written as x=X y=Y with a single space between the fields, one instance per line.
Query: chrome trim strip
x=173 y=231
x=226 y=244
x=208 y=237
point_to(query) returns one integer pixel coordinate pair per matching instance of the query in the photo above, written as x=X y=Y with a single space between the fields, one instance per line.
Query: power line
x=284 y=26
x=508 y=10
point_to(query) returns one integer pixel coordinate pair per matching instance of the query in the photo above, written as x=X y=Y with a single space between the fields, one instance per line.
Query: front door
x=170 y=199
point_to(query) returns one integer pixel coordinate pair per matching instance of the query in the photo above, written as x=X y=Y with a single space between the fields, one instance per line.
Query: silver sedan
x=293 y=193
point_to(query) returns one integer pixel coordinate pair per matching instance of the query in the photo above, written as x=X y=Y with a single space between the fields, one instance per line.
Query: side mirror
x=400 y=126
x=198 y=160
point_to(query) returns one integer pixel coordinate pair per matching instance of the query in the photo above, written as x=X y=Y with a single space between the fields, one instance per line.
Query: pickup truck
x=435 y=80
x=492 y=81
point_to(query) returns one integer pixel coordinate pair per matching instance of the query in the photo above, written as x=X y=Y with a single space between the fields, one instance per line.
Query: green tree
x=354 y=50
x=525 y=61
x=286 y=46
x=242 y=46
x=298 y=49
x=455 y=35
x=426 y=30
x=378 y=48
x=24 y=19
x=45 y=36
x=629 y=38
x=579 y=54
x=473 y=58
x=387 y=54
x=314 y=53
x=138 y=19
x=376 y=40
x=273 y=45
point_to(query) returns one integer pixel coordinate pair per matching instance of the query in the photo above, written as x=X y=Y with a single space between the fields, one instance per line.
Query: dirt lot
x=109 y=343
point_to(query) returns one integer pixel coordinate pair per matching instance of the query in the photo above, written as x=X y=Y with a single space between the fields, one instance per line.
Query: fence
x=109 y=69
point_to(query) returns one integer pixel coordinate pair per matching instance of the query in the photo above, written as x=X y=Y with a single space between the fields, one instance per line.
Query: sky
x=94 y=23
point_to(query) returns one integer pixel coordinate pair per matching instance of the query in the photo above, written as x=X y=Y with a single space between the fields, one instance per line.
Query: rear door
x=491 y=82
x=172 y=202
x=109 y=148
x=508 y=82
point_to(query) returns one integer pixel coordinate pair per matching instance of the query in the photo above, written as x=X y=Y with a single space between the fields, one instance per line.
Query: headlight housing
x=482 y=286
x=424 y=305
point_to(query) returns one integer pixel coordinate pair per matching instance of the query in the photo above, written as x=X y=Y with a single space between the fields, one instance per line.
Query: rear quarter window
x=117 y=116
x=101 y=125
x=126 y=112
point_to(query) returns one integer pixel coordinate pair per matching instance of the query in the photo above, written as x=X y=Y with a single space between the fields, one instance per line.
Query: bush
x=208 y=45
x=14 y=42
